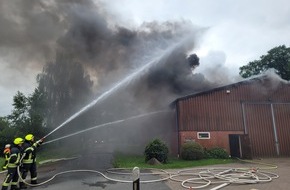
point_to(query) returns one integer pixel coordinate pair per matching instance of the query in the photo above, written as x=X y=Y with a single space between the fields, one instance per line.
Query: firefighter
x=29 y=159
x=13 y=163
x=6 y=153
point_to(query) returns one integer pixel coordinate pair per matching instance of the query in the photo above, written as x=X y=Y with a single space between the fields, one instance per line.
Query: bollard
x=136 y=178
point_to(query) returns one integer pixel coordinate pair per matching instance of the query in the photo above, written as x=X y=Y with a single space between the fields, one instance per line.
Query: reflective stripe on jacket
x=30 y=152
x=14 y=159
x=29 y=156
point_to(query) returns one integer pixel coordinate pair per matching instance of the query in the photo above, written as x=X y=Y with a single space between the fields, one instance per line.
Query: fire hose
x=97 y=172
x=196 y=178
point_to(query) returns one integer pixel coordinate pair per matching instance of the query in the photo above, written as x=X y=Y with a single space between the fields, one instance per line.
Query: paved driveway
x=101 y=162
x=97 y=163
x=281 y=183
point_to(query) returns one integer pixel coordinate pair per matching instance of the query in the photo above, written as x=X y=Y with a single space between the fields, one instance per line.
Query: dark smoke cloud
x=37 y=31
x=109 y=50
x=28 y=31
x=33 y=32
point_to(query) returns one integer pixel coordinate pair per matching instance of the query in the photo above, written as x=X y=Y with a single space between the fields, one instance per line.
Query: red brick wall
x=217 y=138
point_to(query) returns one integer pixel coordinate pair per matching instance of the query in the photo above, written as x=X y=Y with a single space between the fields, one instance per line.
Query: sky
x=235 y=32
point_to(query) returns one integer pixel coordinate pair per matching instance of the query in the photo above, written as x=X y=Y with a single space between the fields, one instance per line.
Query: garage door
x=267 y=125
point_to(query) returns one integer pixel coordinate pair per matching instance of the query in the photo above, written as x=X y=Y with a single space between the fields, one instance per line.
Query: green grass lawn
x=2 y=160
x=131 y=161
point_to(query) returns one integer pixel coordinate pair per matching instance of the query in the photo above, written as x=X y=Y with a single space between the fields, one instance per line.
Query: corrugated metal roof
x=260 y=80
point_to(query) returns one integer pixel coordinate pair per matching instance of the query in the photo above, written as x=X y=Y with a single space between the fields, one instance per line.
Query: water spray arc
x=108 y=92
x=105 y=124
x=127 y=79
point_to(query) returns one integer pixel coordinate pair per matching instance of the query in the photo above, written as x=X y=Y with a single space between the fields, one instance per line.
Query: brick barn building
x=249 y=119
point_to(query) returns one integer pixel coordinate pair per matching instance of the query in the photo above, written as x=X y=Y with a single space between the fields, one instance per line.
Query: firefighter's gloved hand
x=36 y=144
x=41 y=141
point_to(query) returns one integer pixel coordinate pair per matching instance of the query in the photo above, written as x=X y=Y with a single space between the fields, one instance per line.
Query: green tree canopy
x=28 y=114
x=66 y=87
x=6 y=132
x=19 y=117
x=63 y=87
x=3 y=123
x=277 y=58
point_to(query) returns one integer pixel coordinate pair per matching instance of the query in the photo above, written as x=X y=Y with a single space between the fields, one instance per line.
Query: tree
x=277 y=58
x=6 y=132
x=3 y=123
x=37 y=113
x=19 y=117
x=28 y=114
x=66 y=87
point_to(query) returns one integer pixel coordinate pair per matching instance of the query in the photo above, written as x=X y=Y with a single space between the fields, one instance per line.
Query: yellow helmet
x=18 y=141
x=29 y=137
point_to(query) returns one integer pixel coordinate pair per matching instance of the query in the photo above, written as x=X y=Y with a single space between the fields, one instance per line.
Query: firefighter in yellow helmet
x=6 y=154
x=13 y=163
x=29 y=159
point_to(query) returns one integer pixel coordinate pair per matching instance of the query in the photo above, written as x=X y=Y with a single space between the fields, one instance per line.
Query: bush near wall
x=192 y=151
x=156 y=149
x=217 y=152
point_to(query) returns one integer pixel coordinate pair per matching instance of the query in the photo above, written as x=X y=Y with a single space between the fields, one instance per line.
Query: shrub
x=192 y=151
x=218 y=153
x=156 y=149
x=206 y=154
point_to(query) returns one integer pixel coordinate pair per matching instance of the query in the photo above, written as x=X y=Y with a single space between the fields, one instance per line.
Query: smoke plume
x=37 y=31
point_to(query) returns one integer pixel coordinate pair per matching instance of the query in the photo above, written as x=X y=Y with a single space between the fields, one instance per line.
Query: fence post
x=136 y=178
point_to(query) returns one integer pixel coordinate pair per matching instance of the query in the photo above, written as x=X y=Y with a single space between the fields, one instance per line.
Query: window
x=203 y=135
